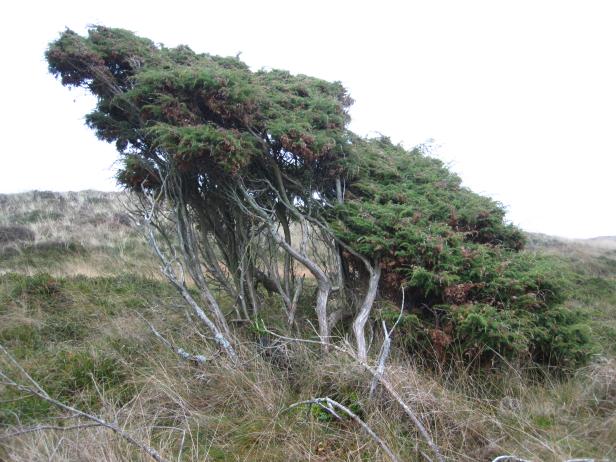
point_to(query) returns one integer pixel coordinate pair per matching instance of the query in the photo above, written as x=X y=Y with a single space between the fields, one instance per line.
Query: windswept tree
x=250 y=180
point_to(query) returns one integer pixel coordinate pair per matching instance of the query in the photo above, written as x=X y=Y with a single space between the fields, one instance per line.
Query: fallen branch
x=330 y=404
x=517 y=459
x=509 y=459
x=182 y=353
x=36 y=390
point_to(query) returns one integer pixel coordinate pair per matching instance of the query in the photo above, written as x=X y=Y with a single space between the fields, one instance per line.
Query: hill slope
x=77 y=281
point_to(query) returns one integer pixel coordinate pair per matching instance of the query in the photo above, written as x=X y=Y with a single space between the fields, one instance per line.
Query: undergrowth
x=83 y=338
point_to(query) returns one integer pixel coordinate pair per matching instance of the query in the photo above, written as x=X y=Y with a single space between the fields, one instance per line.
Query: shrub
x=473 y=293
x=122 y=219
x=11 y=234
x=230 y=140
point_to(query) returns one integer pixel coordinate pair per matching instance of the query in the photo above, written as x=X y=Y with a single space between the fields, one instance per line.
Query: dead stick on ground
x=329 y=408
x=38 y=391
x=181 y=352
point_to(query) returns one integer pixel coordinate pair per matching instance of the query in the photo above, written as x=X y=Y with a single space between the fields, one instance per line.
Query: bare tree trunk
x=288 y=264
x=324 y=286
x=364 y=312
x=252 y=294
x=293 y=308
x=323 y=289
x=220 y=336
x=191 y=258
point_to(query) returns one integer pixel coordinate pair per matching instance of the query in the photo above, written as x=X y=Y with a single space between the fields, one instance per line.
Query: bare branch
x=328 y=404
x=200 y=359
x=385 y=348
x=386 y=385
x=36 y=390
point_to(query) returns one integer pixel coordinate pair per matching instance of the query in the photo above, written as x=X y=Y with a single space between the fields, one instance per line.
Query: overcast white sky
x=520 y=96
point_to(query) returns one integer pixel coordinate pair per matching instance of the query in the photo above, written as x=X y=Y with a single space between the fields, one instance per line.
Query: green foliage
x=471 y=289
x=348 y=398
x=203 y=110
x=543 y=421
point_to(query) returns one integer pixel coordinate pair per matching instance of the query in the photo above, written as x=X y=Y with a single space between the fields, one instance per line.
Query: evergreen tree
x=242 y=157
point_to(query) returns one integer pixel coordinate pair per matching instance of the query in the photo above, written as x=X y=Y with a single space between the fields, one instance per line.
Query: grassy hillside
x=86 y=233
x=589 y=266
x=77 y=284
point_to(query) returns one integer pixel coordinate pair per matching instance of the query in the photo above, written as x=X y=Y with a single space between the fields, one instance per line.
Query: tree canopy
x=264 y=178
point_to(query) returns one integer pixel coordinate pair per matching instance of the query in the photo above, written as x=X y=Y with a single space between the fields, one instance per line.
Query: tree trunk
x=323 y=290
x=364 y=312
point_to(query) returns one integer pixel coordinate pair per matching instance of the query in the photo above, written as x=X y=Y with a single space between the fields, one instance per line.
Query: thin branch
x=385 y=348
x=200 y=359
x=38 y=391
x=330 y=404
x=385 y=383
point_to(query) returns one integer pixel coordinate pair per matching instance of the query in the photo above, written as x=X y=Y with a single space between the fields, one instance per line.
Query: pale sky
x=519 y=96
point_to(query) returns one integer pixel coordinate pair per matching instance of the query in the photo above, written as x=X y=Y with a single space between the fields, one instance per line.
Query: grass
x=74 y=321
x=75 y=233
